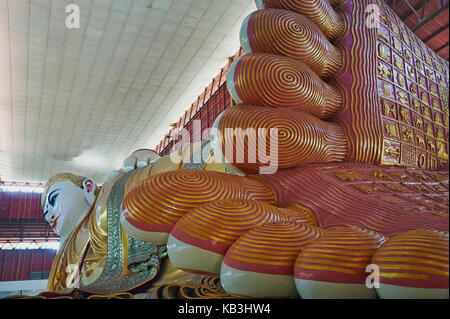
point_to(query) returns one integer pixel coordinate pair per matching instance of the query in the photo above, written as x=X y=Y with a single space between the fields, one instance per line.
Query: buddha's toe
x=256 y=139
x=334 y=265
x=261 y=262
x=278 y=81
x=414 y=264
x=290 y=34
x=200 y=239
x=329 y=21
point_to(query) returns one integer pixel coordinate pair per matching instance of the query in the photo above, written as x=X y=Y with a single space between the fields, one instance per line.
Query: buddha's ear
x=88 y=185
x=89 y=188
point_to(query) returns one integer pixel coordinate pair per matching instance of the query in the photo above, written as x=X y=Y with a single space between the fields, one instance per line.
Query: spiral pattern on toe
x=318 y=11
x=277 y=81
x=158 y=202
x=301 y=138
x=290 y=34
x=215 y=226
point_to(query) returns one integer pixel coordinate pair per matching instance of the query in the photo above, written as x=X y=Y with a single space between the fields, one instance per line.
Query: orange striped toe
x=415 y=259
x=216 y=225
x=338 y=256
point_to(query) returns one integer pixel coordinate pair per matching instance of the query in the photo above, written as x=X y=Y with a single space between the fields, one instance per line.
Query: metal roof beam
x=414 y=9
x=430 y=17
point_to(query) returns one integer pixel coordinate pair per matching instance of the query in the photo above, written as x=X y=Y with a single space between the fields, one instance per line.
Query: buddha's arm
x=94 y=259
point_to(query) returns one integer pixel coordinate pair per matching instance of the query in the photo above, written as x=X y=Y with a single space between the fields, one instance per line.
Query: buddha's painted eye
x=52 y=198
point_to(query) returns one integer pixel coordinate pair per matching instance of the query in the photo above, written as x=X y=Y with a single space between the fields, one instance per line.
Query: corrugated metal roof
x=428 y=19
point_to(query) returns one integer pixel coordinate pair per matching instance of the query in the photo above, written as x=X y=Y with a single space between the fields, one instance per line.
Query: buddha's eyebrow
x=50 y=195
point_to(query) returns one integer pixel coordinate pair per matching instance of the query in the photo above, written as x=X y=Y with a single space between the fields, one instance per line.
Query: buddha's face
x=66 y=205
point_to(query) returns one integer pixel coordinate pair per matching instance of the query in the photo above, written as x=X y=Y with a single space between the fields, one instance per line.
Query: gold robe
x=99 y=257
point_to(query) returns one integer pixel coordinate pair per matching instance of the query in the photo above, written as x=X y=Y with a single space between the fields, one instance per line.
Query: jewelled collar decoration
x=144 y=259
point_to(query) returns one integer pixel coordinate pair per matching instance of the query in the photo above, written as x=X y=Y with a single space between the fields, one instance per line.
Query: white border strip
x=230 y=81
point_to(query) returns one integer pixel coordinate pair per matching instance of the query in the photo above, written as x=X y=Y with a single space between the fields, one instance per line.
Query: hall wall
x=19 y=264
x=16 y=205
x=21 y=221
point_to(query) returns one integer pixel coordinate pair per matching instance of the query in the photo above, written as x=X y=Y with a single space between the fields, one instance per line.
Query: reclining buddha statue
x=327 y=179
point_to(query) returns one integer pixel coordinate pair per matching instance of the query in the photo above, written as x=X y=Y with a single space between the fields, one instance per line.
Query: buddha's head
x=66 y=199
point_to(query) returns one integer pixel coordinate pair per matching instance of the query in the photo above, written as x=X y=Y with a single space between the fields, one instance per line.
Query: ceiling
x=82 y=99
x=428 y=19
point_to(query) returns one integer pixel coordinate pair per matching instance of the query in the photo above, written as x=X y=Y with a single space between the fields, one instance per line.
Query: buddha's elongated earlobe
x=89 y=189
x=88 y=184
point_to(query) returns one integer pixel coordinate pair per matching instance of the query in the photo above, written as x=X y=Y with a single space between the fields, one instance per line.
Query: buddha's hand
x=138 y=159
x=325 y=82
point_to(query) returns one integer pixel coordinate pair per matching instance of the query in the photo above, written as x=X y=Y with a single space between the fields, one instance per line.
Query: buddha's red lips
x=55 y=222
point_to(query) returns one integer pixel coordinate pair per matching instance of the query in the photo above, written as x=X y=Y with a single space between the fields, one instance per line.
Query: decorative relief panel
x=413 y=91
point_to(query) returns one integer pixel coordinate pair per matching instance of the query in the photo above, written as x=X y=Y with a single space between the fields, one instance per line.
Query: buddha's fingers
x=138 y=159
x=290 y=34
x=334 y=265
x=200 y=239
x=414 y=265
x=151 y=209
x=261 y=262
x=318 y=11
x=264 y=139
x=281 y=82
x=298 y=214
